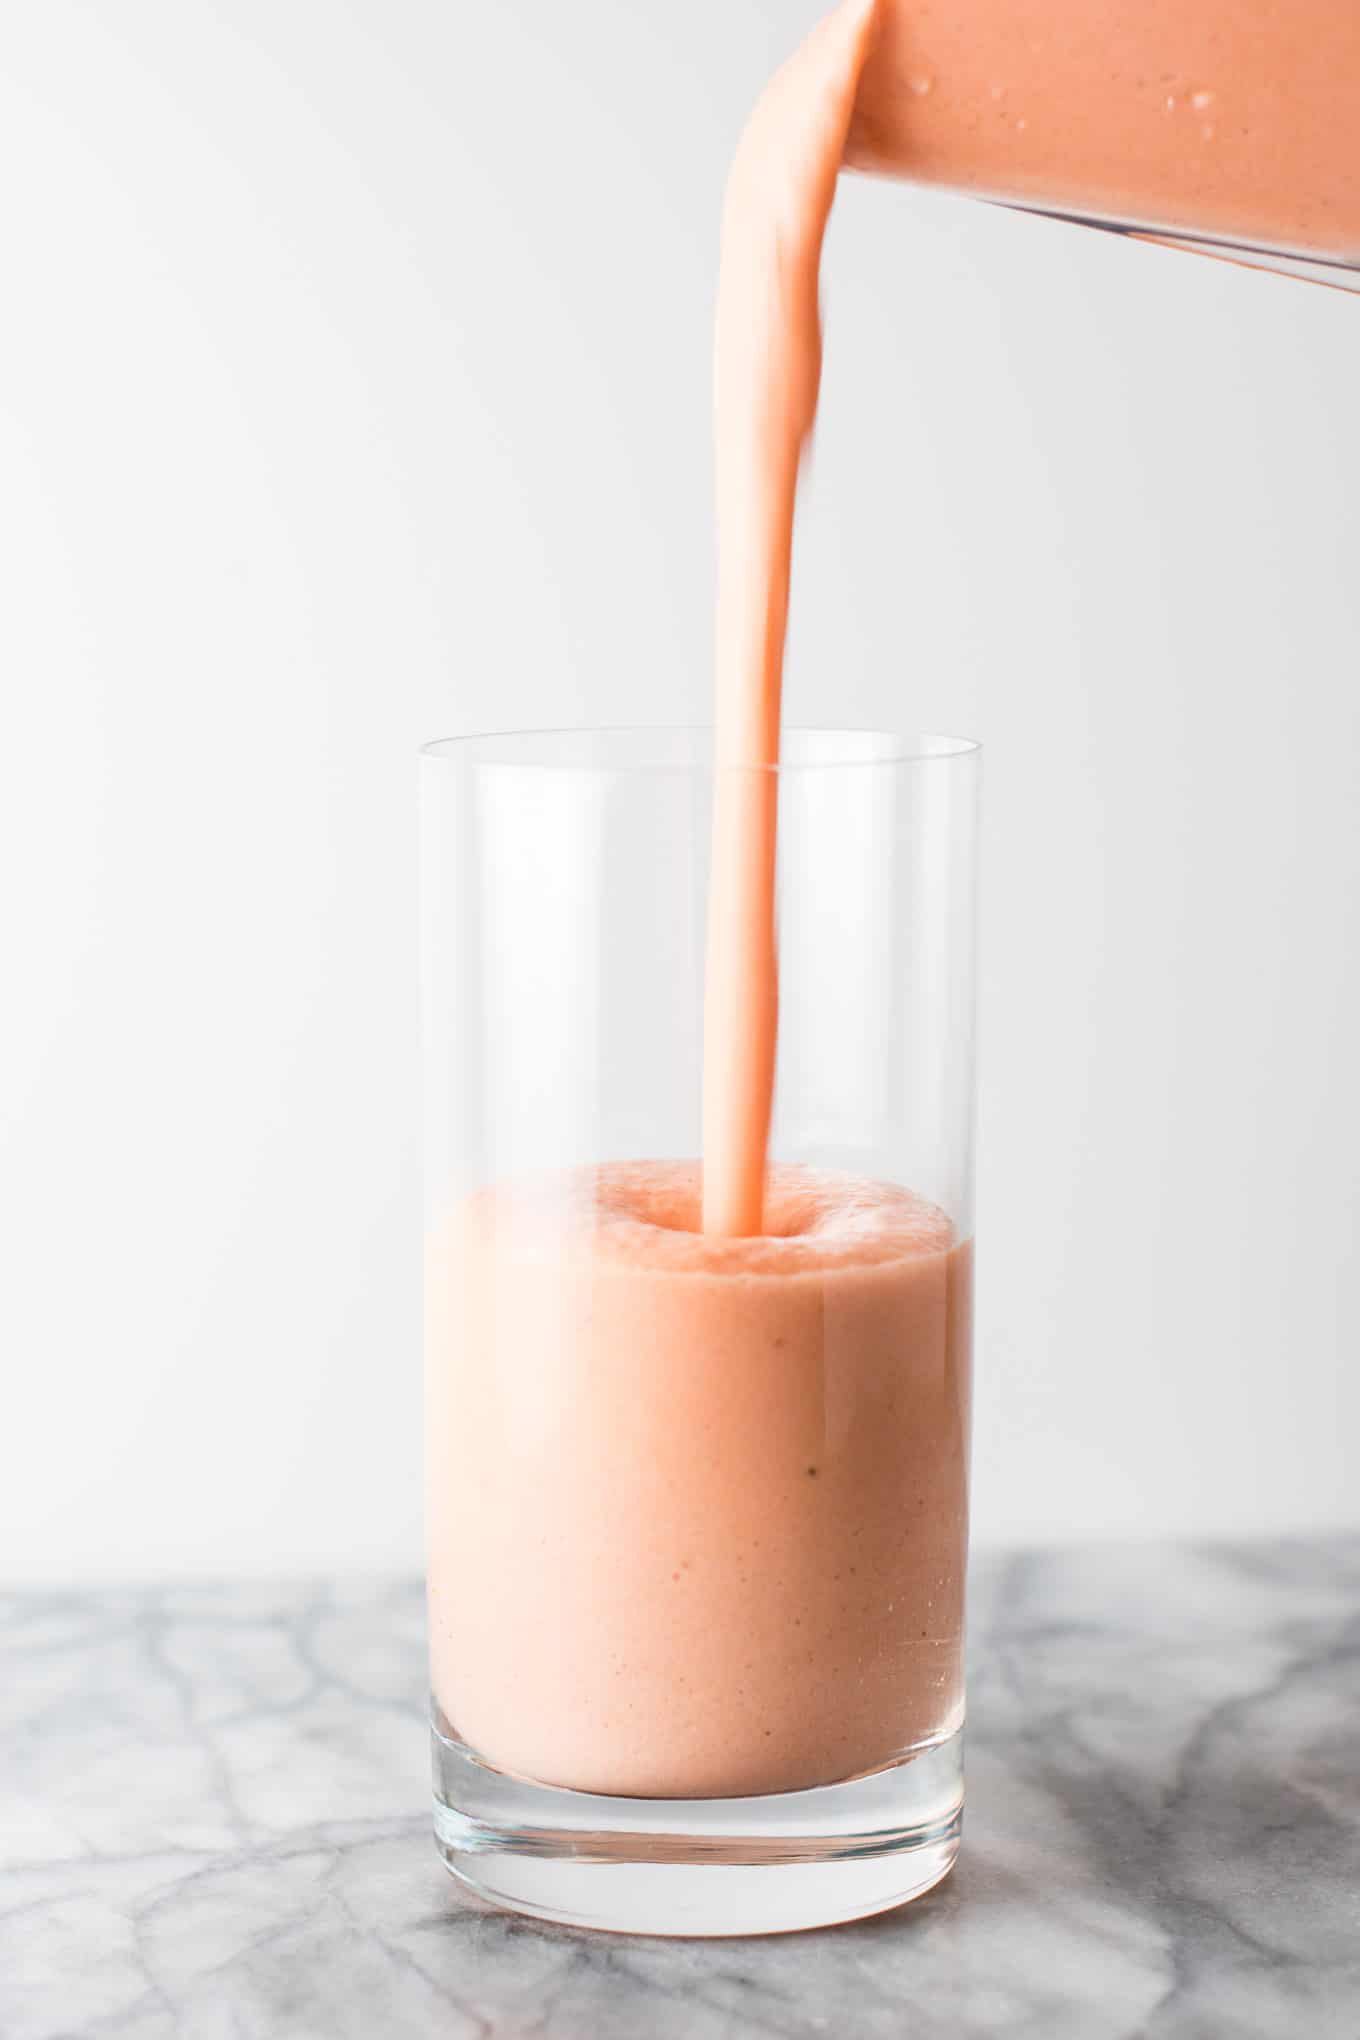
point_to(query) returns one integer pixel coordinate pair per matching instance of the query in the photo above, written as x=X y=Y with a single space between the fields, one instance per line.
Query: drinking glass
x=697 y=1507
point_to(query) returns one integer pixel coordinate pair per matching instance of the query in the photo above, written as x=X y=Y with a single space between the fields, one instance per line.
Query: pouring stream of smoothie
x=767 y=370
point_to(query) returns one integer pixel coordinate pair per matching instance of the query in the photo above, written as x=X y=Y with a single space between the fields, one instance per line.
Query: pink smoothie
x=698 y=1447
x=699 y=1439
x=767 y=369
x=697 y=1505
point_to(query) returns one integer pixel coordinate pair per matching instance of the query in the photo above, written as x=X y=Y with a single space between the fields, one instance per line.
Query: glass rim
x=899 y=748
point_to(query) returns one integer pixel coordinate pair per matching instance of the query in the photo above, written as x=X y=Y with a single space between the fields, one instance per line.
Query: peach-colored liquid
x=767 y=367
x=697 y=1505
x=698 y=1453
x=698 y=1450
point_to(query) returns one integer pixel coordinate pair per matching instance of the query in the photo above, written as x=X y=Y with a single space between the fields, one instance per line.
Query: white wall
x=353 y=389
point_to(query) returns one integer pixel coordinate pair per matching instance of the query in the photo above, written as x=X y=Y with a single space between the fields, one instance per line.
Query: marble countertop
x=214 y=1822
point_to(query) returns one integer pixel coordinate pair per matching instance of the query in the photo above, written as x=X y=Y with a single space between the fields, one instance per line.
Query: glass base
x=771 y=1865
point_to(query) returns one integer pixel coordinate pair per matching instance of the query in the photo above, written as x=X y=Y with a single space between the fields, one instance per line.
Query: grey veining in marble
x=214 y=1823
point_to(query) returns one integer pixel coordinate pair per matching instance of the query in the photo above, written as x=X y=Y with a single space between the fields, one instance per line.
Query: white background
x=354 y=390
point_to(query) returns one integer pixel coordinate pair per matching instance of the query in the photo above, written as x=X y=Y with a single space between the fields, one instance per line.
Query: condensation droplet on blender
x=921 y=84
x=998 y=91
x=1171 y=102
x=1201 y=101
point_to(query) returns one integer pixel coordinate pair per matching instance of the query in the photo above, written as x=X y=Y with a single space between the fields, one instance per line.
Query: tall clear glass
x=697 y=1507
